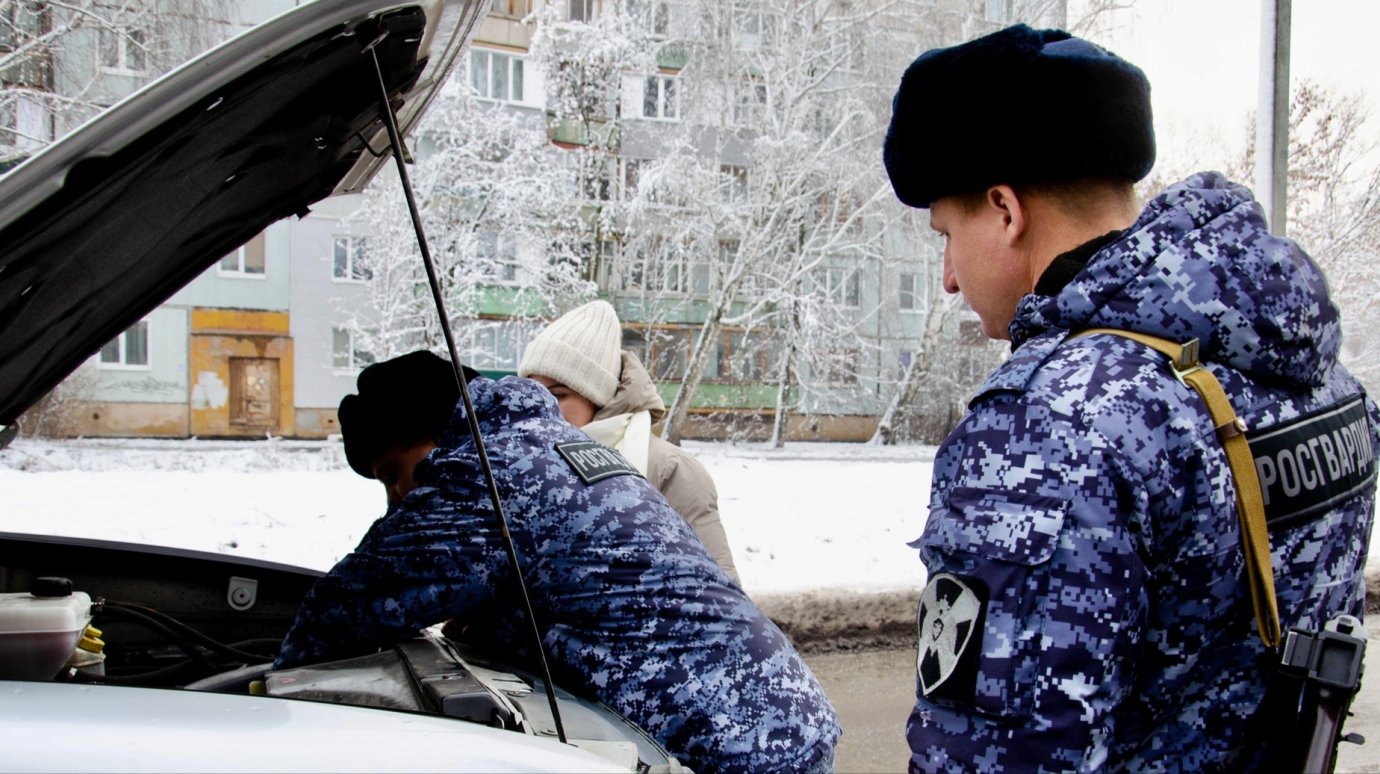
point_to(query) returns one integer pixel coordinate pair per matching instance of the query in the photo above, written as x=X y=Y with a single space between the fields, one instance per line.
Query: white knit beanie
x=581 y=350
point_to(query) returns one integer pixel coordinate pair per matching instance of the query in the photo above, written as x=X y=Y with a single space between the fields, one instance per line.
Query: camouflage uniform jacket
x=634 y=611
x=1086 y=606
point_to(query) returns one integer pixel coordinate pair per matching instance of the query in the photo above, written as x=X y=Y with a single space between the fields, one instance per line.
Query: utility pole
x=1272 y=114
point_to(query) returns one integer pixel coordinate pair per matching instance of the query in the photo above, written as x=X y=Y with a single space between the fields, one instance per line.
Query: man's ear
x=1011 y=210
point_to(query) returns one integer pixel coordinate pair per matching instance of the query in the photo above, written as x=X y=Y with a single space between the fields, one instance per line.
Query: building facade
x=266 y=342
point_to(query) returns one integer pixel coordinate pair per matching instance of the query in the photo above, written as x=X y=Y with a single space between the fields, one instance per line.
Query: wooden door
x=254 y=392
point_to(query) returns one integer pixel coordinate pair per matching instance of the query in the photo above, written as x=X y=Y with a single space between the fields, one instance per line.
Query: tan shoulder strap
x=1250 y=505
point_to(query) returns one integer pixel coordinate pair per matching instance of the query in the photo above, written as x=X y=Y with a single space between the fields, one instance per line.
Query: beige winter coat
x=625 y=424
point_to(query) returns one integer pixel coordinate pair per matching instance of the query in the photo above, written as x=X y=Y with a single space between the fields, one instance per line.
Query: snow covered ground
x=811 y=516
x=807 y=517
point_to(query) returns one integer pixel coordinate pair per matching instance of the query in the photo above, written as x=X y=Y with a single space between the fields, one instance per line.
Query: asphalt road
x=873 y=692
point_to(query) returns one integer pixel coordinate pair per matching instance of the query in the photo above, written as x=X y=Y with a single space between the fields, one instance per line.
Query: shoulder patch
x=1309 y=465
x=594 y=461
x=950 y=636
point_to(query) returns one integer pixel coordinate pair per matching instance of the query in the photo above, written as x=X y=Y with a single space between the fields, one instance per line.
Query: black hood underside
x=126 y=229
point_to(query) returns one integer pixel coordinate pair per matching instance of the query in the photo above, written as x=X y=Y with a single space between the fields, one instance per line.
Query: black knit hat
x=1018 y=106
x=401 y=402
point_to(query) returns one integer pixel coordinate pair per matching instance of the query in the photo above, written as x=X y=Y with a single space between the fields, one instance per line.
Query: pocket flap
x=1013 y=527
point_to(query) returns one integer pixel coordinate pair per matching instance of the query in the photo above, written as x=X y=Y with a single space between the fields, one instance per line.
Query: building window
x=496 y=76
x=247 y=261
x=515 y=8
x=9 y=24
x=753 y=27
x=652 y=16
x=839 y=366
x=9 y=123
x=749 y=103
x=659 y=266
x=903 y=361
x=735 y=183
x=345 y=354
x=670 y=354
x=596 y=176
x=660 y=98
x=351 y=259
x=24 y=125
x=841 y=286
x=128 y=350
x=588 y=90
x=496 y=345
x=498 y=261
x=910 y=287
x=123 y=51
x=583 y=10
x=998 y=10
x=700 y=278
x=747 y=357
x=629 y=172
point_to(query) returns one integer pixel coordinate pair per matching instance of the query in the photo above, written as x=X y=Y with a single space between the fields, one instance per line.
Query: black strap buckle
x=1330 y=657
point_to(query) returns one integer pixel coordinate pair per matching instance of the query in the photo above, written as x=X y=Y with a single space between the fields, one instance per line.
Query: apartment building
x=266 y=342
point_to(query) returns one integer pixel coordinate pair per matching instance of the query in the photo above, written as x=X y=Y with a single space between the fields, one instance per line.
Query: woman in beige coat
x=605 y=391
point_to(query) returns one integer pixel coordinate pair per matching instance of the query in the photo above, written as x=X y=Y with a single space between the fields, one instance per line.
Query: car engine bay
x=106 y=613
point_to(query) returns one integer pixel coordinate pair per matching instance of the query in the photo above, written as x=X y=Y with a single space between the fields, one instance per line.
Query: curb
x=832 y=621
x=836 y=620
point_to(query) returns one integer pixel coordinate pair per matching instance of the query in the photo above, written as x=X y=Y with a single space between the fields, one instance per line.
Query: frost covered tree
x=514 y=173
x=770 y=188
x=498 y=207
x=1334 y=210
x=61 y=62
x=1333 y=204
x=950 y=359
x=767 y=184
x=715 y=162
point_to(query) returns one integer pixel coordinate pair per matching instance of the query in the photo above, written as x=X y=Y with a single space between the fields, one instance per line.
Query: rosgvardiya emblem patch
x=950 y=636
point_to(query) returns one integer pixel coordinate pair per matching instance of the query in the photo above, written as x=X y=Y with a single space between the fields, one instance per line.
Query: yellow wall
x=317 y=423
x=220 y=334
x=168 y=420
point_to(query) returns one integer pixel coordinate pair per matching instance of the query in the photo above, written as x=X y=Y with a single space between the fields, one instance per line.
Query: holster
x=1317 y=676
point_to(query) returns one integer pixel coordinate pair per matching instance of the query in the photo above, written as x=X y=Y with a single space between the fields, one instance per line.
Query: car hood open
x=109 y=222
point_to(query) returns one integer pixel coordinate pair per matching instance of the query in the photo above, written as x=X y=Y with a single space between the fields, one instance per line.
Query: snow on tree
x=1334 y=210
x=711 y=163
x=499 y=209
x=61 y=62
x=767 y=185
x=516 y=221
x=1333 y=204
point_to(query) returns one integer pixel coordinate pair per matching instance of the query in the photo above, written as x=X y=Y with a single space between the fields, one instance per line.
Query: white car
x=96 y=231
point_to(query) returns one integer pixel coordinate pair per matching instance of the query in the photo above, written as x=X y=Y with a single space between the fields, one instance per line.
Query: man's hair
x=1079 y=199
x=401 y=402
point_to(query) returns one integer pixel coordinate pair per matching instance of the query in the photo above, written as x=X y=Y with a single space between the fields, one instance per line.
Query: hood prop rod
x=395 y=140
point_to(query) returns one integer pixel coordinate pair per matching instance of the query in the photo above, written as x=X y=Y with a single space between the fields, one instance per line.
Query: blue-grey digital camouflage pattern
x=1086 y=503
x=633 y=608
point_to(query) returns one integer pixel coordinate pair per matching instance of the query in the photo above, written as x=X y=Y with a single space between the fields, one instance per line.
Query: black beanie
x=1018 y=106
x=401 y=402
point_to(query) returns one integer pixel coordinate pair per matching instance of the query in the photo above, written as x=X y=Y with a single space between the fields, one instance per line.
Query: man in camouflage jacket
x=1087 y=606
x=633 y=609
